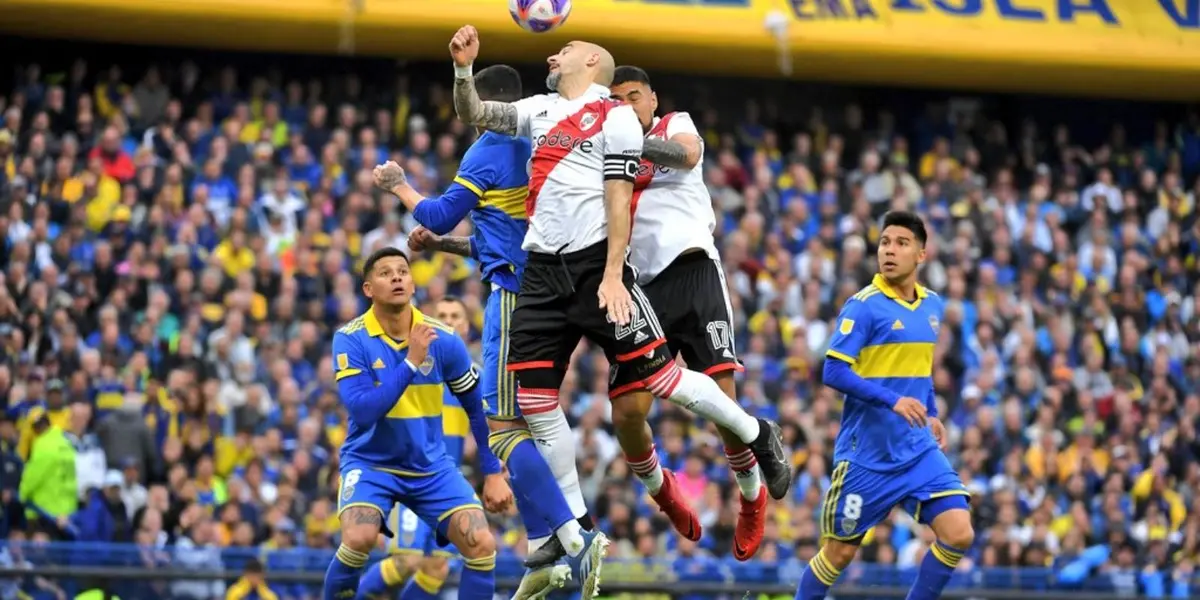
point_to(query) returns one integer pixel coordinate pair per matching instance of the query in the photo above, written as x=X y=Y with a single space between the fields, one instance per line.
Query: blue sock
x=935 y=572
x=422 y=586
x=478 y=580
x=817 y=578
x=341 y=579
x=381 y=577
x=531 y=478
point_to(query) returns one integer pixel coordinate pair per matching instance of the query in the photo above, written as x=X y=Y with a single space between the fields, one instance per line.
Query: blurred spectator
x=252 y=585
x=48 y=487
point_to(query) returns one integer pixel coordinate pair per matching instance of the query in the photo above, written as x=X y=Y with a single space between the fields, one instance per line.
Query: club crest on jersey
x=848 y=526
x=933 y=322
x=586 y=121
x=426 y=366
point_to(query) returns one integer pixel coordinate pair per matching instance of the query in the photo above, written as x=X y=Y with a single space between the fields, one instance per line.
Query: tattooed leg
x=469 y=531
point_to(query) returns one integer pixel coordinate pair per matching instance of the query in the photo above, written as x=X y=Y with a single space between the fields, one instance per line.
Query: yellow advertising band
x=1121 y=48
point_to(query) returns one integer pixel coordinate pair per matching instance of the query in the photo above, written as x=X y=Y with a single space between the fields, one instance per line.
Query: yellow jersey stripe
x=470 y=186
x=912 y=359
x=419 y=401
x=509 y=201
x=344 y=373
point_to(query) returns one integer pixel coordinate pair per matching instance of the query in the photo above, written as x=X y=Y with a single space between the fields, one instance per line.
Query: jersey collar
x=887 y=290
x=375 y=329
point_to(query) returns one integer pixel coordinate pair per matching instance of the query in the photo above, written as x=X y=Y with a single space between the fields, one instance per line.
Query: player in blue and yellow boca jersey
x=491 y=187
x=414 y=550
x=393 y=366
x=887 y=452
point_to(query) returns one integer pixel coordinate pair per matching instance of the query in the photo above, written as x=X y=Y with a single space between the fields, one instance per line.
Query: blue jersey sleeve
x=365 y=402
x=476 y=175
x=463 y=380
x=851 y=332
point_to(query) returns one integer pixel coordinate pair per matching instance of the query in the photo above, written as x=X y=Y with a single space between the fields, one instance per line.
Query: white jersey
x=577 y=145
x=672 y=210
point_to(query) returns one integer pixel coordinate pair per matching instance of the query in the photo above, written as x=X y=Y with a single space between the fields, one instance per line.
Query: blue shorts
x=859 y=498
x=415 y=536
x=499 y=385
x=432 y=499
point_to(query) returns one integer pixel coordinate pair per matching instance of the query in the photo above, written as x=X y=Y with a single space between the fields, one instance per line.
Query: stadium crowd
x=180 y=243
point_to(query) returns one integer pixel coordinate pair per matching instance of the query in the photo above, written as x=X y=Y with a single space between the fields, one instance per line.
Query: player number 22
x=852 y=507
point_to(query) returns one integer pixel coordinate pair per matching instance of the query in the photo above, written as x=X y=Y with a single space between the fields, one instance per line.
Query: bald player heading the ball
x=587 y=149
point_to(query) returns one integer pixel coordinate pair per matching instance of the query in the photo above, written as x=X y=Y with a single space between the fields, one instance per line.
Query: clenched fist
x=464 y=46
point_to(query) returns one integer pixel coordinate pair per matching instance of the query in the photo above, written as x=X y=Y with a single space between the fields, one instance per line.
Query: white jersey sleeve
x=526 y=109
x=623 y=139
x=681 y=123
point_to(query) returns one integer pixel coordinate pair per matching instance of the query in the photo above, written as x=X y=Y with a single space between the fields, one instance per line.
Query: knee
x=470 y=533
x=360 y=528
x=629 y=411
x=961 y=537
x=360 y=538
x=839 y=554
x=435 y=567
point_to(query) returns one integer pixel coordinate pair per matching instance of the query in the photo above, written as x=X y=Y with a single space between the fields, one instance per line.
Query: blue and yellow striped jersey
x=491 y=186
x=890 y=342
x=409 y=440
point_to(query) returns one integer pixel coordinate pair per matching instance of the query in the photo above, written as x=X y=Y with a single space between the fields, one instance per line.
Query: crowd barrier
x=1131 y=48
x=132 y=572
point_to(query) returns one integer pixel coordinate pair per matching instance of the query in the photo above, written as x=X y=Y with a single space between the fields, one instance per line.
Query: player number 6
x=852 y=507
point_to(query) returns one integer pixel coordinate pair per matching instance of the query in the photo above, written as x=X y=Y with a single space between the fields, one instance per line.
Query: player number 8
x=852 y=507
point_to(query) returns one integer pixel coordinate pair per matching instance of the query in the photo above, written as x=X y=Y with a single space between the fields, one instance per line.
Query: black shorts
x=557 y=305
x=695 y=313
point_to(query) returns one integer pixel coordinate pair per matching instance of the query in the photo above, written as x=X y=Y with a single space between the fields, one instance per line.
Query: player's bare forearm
x=679 y=152
x=407 y=195
x=500 y=117
x=453 y=245
x=618 y=198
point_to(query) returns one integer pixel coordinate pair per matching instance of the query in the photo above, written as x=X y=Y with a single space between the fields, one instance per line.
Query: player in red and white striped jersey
x=577 y=283
x=680 y=271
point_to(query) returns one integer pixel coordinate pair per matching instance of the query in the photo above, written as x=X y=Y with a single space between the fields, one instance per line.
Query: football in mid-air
x=539 y=16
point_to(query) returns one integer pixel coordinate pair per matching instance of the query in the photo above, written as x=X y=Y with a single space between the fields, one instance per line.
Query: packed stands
x=182 y=234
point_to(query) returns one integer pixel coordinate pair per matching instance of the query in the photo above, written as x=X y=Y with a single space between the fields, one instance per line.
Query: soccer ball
x=539 y=16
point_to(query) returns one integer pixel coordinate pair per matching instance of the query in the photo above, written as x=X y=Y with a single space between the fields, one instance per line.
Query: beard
x=552 y=81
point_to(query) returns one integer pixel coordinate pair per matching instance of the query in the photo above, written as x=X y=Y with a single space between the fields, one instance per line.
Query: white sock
x=700 y=394
x=745 y=472
x=553 y=438
x=571 y=536
x=648 y=470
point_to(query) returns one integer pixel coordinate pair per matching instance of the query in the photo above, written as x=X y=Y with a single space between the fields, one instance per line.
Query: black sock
x=586 y=523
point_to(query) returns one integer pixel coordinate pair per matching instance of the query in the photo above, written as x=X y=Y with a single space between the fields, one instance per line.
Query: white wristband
x=462 y=72
x=410 y=365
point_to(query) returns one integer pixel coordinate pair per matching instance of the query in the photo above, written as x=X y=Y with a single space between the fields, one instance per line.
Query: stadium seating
x=181 y=240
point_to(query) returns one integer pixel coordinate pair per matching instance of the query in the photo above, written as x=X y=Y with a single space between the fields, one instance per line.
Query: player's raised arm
x=683 y=148
x=366 y=402
x=622 y=154
x=439 y=214
x=500 y=117
x=463 y=379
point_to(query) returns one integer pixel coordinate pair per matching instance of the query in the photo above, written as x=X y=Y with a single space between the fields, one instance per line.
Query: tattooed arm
x=500 y=117
x=453 y=244
x=683 y=151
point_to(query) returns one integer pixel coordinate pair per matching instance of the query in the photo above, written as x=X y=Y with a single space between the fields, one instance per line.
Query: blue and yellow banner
x=1121 y=48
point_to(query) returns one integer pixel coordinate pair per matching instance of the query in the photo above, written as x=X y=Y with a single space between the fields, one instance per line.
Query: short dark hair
x=908 y=220
x=379 y=255
x=454 y=299
x=254 y=566
x=498 y=83
x=628 y=73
